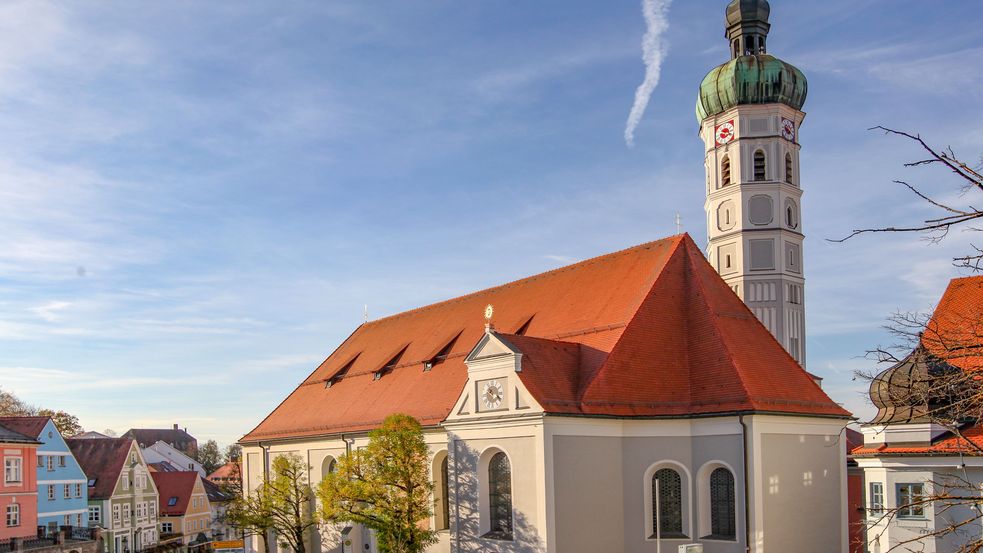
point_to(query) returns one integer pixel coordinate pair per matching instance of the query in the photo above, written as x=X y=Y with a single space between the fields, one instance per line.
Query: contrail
x=653 y=52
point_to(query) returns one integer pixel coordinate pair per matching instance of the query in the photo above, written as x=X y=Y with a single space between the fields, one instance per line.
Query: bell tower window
x=759 y=165
x=725 y=171
x=788 y=168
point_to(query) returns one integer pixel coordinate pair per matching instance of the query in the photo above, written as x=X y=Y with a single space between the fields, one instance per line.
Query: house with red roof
x=909 y=447
x=185 y=513
x=122 y=495
x=19 y=486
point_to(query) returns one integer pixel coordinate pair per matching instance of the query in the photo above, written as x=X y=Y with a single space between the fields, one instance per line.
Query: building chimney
x=175 y=426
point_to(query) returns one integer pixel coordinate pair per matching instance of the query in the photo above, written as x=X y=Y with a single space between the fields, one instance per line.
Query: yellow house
x=185 y=515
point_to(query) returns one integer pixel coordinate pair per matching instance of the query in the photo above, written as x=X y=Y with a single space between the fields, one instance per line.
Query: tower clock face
x=788 y=130
x=492 y=394
x=724 y=132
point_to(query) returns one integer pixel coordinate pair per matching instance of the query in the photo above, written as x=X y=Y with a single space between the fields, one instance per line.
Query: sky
x=197 y=200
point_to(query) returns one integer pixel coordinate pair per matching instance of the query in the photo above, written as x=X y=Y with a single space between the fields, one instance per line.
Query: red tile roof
x=226 y=471
x=647 y=331
x=101 y=461
x=946 y=444
x=29 y=426
x=179 y=486
x=955 y=332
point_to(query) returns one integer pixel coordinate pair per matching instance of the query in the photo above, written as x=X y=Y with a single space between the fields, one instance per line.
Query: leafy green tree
x=66 y=423
x=12 y=406
x=209 y=456
x=385 y=486
x=232 y=453
x=289 y=496
x=252 y=515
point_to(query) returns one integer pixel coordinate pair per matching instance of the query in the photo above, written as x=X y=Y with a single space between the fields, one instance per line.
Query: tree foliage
x=954 y=206
x=281 y=504
x=209 y=455
x=232 y=453
x=385 y=486
x=66 y=423
x=13 y=406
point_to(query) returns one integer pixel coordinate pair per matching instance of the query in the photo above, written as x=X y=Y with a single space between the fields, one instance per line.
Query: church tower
x=749 y=111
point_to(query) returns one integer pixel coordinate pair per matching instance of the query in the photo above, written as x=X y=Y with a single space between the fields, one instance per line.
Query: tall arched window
x=441 y=511
x=328 y=465
x=759 y=165
x=788 y=168
x=500 y=497
x=667 y=503
x=725 y=171
x=723 y=523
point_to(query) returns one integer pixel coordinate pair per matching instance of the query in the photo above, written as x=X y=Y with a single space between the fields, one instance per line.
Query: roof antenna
x=679 y=224
x=365 y=313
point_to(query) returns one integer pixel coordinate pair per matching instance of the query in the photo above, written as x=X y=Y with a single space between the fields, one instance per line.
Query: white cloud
x=654 y=48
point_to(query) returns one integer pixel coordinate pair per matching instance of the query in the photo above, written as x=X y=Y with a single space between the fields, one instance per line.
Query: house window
x=95 y=513
x=78 y=490
x=723 y=524
x=67 y=520
x=725 y=171
x=40 y=460
x=153 y=510
x=788 y=168
x=61 y=460
x=910 y=501
x=51 y=463
x=667 y=503
x=172 y=501
x=13 y=515
x=126 y=513
x=500 y=497
x=759 y=165
x=67 y=492
x=12 y=473
x=78 y=519
x=166 y=527
x=51 y=492
x=126 y=481
x=116 y=513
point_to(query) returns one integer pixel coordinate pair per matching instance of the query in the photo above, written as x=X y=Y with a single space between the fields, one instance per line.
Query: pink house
x=19 y=486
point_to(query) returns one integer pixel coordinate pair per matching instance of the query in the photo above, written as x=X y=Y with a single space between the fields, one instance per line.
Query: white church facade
x=630 y=402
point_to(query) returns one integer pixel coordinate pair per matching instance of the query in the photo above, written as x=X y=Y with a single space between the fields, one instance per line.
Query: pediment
x=491 y=345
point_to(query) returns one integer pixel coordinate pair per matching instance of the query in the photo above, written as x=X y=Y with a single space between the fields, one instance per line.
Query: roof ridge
x=677 y=238
x=588 y=380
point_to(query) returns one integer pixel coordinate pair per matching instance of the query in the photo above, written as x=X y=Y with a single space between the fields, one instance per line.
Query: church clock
x=492 y=394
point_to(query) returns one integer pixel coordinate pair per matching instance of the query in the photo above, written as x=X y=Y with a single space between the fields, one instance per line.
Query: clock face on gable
x=724 y=132
x=492 y=394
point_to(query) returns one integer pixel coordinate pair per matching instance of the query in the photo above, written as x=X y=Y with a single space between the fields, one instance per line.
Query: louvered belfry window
x=788 y=168
x=725 y=171
x=667 y=516
x=722 y=516
x=500 y=496
x=759 y=165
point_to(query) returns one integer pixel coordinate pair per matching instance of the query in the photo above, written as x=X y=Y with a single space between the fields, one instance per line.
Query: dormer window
x=172 y=501
x=391 y=364
x=442 y=354
x=340 y=373
x=521 y=331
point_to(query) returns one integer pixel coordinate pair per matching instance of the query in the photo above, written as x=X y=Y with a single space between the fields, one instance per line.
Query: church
x=639 y=401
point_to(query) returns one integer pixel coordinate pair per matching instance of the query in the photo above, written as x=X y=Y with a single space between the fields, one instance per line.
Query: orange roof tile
x=946 y=444
x=177 y=488
x=955 y=332
x=647 y=331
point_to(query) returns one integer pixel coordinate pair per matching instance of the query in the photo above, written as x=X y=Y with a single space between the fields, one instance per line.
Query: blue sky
x=199 y=198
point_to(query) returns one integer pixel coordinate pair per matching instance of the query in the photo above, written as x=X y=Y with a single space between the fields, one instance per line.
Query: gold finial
x=489 y=311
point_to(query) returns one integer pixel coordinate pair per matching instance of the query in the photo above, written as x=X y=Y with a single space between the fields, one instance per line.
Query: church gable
x=494 y=386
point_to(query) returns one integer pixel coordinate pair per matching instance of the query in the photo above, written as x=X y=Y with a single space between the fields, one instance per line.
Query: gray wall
x=598 y=480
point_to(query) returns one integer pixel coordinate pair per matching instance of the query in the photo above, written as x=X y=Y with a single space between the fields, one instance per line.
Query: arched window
x=667 y=503
x=788 y=168
x=723 y=523
x=725 y=171
x=500 y=497
x=759 y=165
x=441 y=510
x=328 y=465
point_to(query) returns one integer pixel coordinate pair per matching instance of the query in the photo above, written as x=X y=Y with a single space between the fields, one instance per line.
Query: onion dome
x=912 y=390
x=757 y=79
x=751 y=76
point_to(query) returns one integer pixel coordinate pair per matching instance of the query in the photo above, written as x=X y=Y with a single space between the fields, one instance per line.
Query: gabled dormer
x=494 y=387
